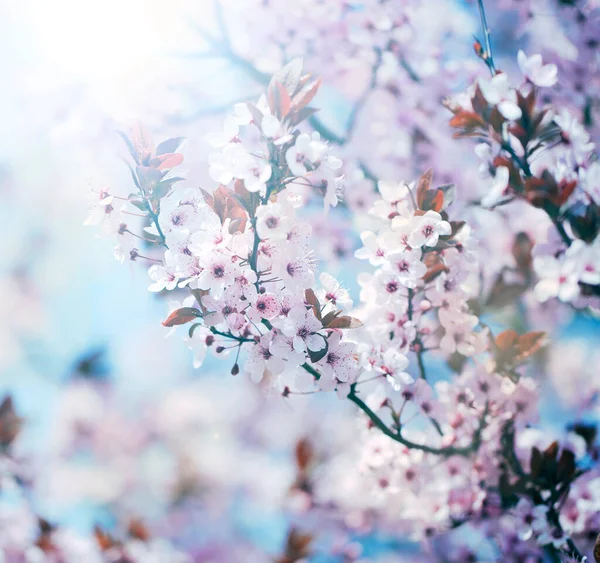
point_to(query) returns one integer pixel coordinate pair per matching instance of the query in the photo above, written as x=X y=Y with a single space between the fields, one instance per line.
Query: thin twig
x=487 y=56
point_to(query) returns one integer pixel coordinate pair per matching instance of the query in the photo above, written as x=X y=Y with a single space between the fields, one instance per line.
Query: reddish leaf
x=104 y=540
x=311 y=299
x=290 y=75
x=182 y=316
x=10 y=422
x=423 y=186
x=167 y=161
x=304 y=454
x=285 y=101
x=306 y=95
x=138 y=530
x=344 y=322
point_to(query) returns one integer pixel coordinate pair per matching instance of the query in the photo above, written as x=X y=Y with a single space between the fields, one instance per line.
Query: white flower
x=393 y=364
x=333 y=292
x=218 y=272
x=537 y=73
x=427 y=229
x=273 y=129
x=264 y=307
x=298 y=157
x=260 y=358
x=373 y=250
x=530 y=518
x=575 y=135
x=558 y=278
x=554 y=536
x=164 y=276
x=296 y=271
x=339 y=364
x=303 y=328
x=498 y=188
x=307 y=153
x=497 y=92
x=100 y=209
x=256 y=176
x=223 y=310
x=229 y=131
x=272 y=221
x=408 y=267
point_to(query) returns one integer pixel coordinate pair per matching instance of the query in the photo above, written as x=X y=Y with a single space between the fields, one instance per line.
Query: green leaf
x=193 y=329
x=164 y=187
x=320 y=354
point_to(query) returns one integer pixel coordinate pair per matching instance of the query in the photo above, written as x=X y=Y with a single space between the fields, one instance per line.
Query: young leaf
x=166 y=161
x=344 y=322
x=130 y=147
x=311 y=299
x=169 y=146
x=182 y=316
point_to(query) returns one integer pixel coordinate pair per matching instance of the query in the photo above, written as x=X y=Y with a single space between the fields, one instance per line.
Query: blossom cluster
x=460 y=451
x=545 y=158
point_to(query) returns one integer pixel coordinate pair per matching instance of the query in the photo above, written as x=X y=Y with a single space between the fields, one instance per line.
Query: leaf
x=551 y=452
x=300 y=116
x=138 y=202
x=10 y=422
x=164 y=187
x=256 y=114
x=166 y=161
x=169 y=146
x=104 y=540
x=536 y=462
x=506 y=340
x=289 y=76
x=130 y=147
x=597 y=549
x=148 y=177
x=285 y=101
x=193 y=329
x=297 y=547
x=133 y=175
x=306 y=95
x=311 y=299
x=143 y=144
x=521 y=250
x=329 y=317
x=449 y=195
x=319 y=354
x=199 y=294
x=435 y=266
x=423 y=186
x=503 y=294
x=430 y=199
x=304 y=454
x=566 y=466
x=529 y=344
x=182 y=316
x=344 y=322
x=136 y=529
x=513 y=349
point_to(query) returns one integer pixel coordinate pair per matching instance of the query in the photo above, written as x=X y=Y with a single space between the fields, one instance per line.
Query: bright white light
x=97 y=39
